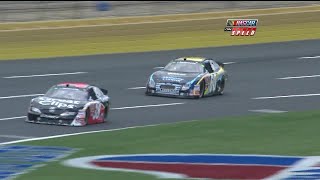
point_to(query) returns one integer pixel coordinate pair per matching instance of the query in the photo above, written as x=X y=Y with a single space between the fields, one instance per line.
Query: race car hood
x=61 y=104
x=173 y=77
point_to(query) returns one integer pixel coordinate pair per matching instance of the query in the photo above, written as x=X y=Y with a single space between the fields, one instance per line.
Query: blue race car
x=194 y=77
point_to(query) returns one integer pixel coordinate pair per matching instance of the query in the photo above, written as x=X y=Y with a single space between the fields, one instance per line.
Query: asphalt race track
x=253 y=74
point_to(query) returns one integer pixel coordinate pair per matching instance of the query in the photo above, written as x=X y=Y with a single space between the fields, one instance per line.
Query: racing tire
x=87 y=116
x=106 y=113
x=201 y=90
x=220 y=87
x=147 y=93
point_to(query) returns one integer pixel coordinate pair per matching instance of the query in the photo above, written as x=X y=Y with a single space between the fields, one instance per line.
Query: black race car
x=193 y=77
x=72 y=104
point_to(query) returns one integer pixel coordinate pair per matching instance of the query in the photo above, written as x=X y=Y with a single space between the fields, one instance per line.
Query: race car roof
x=195 y=59
x=74 y=84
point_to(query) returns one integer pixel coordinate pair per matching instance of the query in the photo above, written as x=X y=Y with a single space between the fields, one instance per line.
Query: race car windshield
x=67 y=93
x=184 y=67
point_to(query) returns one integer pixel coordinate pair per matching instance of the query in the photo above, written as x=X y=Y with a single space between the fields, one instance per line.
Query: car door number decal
x=213 y=82
x=97 y=110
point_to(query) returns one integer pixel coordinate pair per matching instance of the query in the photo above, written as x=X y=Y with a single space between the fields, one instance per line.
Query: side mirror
x=220 y=64
x=92 y=94
x=104 y=91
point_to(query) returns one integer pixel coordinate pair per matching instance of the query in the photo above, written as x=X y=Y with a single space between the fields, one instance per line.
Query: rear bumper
x=45 y=119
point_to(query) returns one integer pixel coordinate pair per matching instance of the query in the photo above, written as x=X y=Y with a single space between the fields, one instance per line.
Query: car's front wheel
x=147 y=92
x=220 y=87
x=106 y=112
x=86 y=120
x=202 y=87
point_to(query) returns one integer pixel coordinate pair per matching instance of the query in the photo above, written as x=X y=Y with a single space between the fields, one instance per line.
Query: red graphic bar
x=199 y=171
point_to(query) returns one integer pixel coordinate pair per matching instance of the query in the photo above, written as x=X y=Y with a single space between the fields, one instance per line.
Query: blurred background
x=17 y=11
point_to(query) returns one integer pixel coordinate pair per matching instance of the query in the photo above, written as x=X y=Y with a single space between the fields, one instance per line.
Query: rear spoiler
x=220 y=64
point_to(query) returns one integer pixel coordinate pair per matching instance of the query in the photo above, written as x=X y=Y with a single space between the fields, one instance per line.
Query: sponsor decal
x=205 y=166
x=81 y=114
x=60 y=103
x=19 y=159
x=178 y=74
x=49 y=116
x=197 y=88
x=59 y=100
x=52 y=109
x=241 y=27
x=173 y=79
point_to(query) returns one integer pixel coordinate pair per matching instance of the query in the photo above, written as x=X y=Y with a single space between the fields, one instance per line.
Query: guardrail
x=20 y=11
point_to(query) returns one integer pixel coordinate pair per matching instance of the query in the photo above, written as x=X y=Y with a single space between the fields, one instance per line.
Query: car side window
x=92 y=94
x=215 y=66
x=98 y=92
x=208 y=66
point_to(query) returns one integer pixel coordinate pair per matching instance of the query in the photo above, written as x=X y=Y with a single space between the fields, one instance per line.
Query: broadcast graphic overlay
x=242 y=27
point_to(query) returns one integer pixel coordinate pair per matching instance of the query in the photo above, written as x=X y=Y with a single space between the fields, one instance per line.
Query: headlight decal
x=34 y=109
x=186 y=86
x=195 y=81
x=68 y=114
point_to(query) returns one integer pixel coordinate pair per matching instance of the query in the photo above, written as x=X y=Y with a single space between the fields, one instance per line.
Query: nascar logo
x=241 y=27
x=205 y=166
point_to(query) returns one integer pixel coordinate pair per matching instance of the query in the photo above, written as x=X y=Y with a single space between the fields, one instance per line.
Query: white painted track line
x=44 y=75
x=146 y=106
x=310 y=57
x=226 y=63
x=119 y=108
x=287 y=96
x=160 y=67
x=300 y=77
x=267 y=111
x=19 y=96
x=10 y=118
x=15 y=137
x=137 y=88
x=87 y=132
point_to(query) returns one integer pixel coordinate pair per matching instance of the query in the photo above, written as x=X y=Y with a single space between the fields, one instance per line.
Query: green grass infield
x=294 y=133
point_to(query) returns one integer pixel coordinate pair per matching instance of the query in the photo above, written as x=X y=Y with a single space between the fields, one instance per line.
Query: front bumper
x=191 y=93
x=77 y=120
